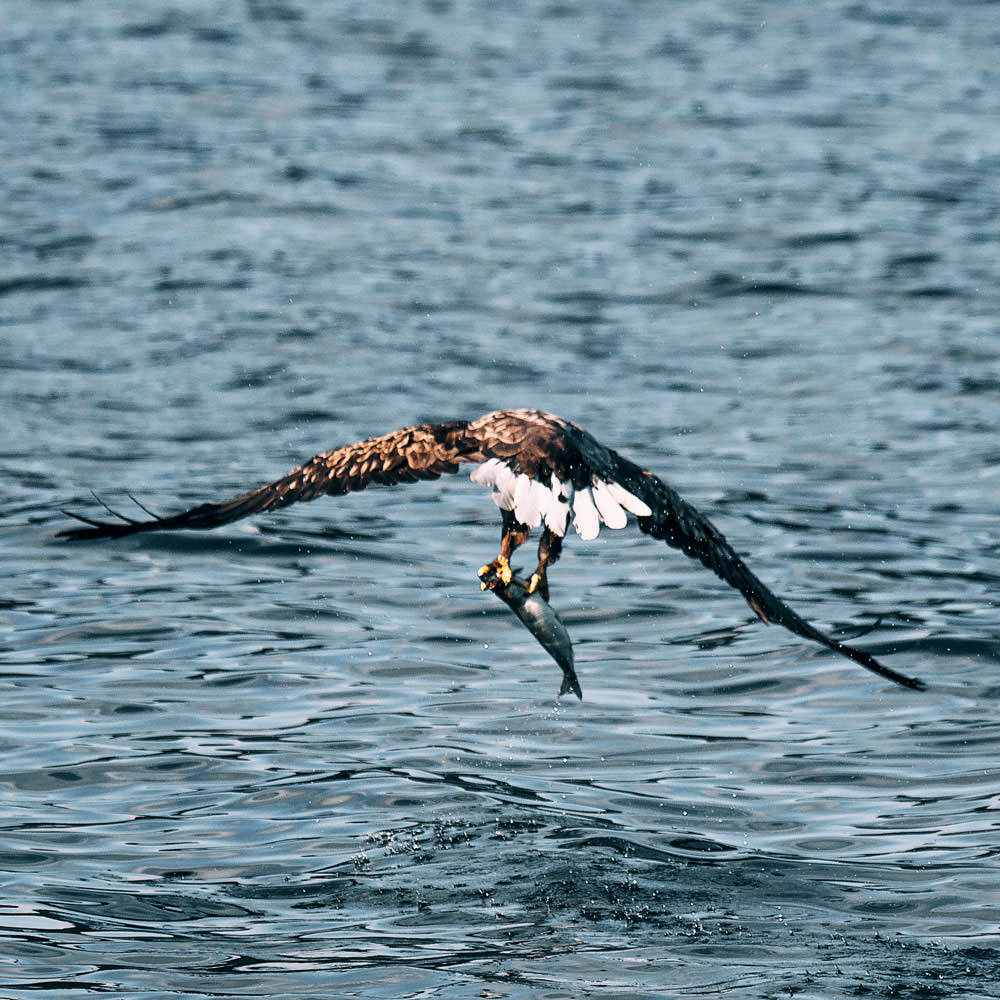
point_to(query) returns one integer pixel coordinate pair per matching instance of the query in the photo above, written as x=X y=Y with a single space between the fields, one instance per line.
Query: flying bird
x=544 y=472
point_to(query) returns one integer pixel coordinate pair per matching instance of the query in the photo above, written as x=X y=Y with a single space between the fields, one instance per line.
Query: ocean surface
x=753 y=247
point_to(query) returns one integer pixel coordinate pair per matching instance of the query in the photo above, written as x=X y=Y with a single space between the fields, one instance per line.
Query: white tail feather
x=535 y=503
x=586 y=519
x=630 y=502
x=607 y=506
x=526 y=508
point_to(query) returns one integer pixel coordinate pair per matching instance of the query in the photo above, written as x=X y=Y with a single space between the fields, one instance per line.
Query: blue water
x=753 y=247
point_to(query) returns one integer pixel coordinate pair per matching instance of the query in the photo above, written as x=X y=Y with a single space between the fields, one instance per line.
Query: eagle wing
x=682 y=526
x=423 y=451
x=528 y=439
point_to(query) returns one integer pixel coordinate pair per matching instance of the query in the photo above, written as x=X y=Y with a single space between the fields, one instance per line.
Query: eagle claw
x=539 y=582
x=499 y=569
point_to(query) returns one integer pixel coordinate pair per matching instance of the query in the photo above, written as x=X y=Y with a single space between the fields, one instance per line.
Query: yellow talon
x=534 y=582
x=500 y=567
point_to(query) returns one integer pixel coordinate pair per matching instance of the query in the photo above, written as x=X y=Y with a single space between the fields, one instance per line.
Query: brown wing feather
x=529 y=441
x=527 y=438
x=424 y=451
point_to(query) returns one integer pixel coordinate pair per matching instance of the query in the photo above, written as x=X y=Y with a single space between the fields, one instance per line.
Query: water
x=752 y=248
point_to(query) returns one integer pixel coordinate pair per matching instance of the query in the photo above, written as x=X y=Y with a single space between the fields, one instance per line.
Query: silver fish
x=542 y=622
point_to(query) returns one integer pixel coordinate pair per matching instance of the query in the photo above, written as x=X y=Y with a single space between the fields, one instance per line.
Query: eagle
x=544 y=472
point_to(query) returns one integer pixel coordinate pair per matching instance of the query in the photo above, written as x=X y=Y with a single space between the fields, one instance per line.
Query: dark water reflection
x=305 y=756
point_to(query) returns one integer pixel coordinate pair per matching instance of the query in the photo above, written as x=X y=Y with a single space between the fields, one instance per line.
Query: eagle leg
x=549 y=549
x=515 y=534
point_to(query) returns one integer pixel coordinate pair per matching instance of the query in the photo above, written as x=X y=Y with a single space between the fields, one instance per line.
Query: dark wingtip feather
x=74 y=534
x=125 y=525
x=869 y=661
x=679 y=524
x=97 y=529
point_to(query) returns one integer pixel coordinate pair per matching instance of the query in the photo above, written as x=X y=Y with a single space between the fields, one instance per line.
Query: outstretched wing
x=679 y=524
x=424 y=451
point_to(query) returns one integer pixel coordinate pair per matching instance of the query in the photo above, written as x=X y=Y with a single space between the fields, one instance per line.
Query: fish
x=541 y=620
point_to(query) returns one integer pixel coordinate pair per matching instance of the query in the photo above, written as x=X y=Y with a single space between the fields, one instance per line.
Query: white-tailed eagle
x=544 y=472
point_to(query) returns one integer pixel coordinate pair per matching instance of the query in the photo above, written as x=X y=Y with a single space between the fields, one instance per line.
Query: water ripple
x=305 y=756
